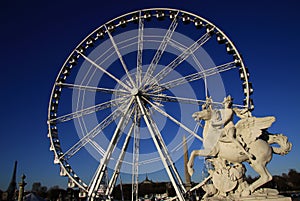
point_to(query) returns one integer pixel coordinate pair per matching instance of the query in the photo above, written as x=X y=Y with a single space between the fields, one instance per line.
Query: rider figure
x=227 y=125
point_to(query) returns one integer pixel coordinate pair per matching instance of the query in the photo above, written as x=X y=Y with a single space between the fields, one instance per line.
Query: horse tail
x=284 y=145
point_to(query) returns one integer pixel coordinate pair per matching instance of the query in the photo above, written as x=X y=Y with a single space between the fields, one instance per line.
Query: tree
x=39 y=190
x=294 y=179
x=36 y=186
x=285 y=182
x=55 y=192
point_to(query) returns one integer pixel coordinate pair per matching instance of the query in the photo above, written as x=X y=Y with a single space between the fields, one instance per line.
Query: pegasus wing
x=251 y=128
x=264 y=122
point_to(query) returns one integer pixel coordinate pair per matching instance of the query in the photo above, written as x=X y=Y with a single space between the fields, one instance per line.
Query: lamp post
x=22 y=184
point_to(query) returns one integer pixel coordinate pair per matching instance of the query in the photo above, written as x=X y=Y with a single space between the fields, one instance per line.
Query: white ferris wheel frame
x=134 y=96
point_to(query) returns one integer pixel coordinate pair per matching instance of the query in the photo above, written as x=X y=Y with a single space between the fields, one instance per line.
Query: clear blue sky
x=36 y=38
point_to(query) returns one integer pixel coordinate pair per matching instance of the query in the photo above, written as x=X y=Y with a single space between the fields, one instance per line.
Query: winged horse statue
x=246 y=141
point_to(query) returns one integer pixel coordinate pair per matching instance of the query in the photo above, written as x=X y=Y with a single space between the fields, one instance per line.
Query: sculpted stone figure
x=228 y=145
x=228 y=128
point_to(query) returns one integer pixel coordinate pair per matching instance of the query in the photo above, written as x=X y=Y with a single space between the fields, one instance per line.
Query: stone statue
x=228 y=145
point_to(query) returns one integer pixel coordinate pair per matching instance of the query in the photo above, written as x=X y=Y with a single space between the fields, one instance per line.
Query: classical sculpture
x=228 y=145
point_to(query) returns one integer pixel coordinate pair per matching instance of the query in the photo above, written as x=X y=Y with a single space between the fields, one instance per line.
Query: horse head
x=203 y=115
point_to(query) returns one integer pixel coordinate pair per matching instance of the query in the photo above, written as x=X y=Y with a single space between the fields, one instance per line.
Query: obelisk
x=186 y=158
x=13 y=184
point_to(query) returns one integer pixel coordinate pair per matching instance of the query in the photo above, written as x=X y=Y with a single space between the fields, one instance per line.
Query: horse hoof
x=245 y=192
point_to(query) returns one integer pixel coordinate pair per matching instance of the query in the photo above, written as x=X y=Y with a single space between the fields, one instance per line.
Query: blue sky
x=37 y=37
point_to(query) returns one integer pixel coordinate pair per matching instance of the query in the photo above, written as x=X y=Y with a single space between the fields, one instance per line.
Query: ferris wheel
x=123 y=99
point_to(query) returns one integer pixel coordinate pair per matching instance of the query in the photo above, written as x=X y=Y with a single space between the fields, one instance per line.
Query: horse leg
x=265 y=176
x=190 y=164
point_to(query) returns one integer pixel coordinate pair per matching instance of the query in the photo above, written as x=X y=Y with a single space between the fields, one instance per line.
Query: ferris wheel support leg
x=166 y=153
x=118 y=164
x=103 y=164
x=135 y=156
x=158 y=147
x=168 y=157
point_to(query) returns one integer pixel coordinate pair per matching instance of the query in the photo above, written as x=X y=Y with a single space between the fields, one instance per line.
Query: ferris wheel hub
x=135 y=91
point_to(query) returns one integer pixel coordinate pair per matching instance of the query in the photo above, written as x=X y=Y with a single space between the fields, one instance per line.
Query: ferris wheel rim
x=77 y=52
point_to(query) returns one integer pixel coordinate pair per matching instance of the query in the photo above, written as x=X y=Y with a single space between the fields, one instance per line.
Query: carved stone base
x=270 y=199
x=250 y=198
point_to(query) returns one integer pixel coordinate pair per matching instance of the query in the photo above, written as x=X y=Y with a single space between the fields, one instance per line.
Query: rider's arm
x=241 y=113
x=227 y=117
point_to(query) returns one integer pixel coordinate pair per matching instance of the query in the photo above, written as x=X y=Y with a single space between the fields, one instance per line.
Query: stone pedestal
x=252 y=198
x=270 y=198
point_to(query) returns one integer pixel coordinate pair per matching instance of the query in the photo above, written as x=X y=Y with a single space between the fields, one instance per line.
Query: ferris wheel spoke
x=160 y=49
x=182 y=57
x=89 y=110
x=177 y=99
x=97 y=147
x=239 y=106
x=120 y=57
x=140 y=51
x=202 y=69
x=165 y=98
x=182 y=47
x=104 y=71
x=151 y=160
x=173 y=119
x=92 y=134
x=189 y=138
x=193 y=77
x=95 y=183
x=181 y=144
x=91 y=88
